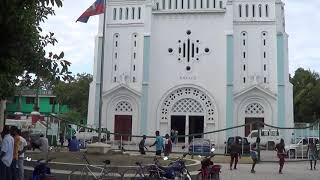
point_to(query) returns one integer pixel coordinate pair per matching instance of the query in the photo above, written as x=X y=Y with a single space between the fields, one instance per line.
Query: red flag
x=96 y=8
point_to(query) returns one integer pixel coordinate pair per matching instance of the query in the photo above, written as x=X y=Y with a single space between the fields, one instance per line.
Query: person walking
x=16 y=148
x=158 y=143
x=43 y=145
x=70 y=133
x=142 y=145
x=281 y=152
x=254 y=157
x=312 y=153
x=22 y=149
x=167 y=145
x=6 y=154
x=234 y=153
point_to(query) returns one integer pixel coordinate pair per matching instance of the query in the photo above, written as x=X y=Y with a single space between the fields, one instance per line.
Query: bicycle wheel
x=135 y=174
x=111 y=173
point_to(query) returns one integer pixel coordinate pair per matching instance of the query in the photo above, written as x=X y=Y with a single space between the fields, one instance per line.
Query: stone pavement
x=269 y=171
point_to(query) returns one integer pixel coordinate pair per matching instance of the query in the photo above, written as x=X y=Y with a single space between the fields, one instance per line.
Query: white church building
x=193 y=66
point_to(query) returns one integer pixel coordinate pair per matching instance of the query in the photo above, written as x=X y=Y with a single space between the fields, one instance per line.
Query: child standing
x=168 y=145
x=254 y=157
x=142 y=145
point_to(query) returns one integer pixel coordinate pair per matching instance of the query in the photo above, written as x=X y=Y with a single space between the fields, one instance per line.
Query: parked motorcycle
x=175 y=170
x=209 y=171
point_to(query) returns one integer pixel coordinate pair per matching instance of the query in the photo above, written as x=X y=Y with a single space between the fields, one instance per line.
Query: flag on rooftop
x=96 y=8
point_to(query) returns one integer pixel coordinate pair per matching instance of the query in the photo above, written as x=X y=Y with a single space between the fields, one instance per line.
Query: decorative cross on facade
x=188 y=51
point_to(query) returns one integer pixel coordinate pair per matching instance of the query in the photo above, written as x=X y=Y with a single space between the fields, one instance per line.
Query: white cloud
x=77 y=39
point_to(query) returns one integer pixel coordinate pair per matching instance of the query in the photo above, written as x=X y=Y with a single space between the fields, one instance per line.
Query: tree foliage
x=22 y=45
x=75 y=94
x=306 y=95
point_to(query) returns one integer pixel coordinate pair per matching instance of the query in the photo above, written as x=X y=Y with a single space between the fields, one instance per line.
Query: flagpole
x=101 y=70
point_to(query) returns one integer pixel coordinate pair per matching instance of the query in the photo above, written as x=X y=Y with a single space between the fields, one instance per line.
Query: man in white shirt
x=6 y=154
x=23 y=147
x=43 y=144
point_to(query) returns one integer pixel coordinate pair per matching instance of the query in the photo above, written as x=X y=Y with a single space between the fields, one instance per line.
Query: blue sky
x=77 y=39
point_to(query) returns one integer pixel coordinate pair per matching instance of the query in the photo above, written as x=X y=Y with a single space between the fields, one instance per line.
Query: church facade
x=193 y=66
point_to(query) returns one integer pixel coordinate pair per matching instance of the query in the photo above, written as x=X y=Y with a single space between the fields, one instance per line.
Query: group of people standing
x=13 y=146
x=162 y=145
x=235 y=154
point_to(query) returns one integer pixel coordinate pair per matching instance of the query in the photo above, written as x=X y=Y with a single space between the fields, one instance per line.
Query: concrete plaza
x=269 y=171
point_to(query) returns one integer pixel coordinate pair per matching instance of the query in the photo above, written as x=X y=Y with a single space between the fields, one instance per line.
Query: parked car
x=268 y=138
x=244 y=144
x=200 y=146
x=300 y=148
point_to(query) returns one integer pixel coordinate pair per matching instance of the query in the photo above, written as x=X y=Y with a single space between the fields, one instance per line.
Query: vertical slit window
x=188 y=4
x=134 y=67
x=264 y=54
x=220 y=4
x=176 y=4
x=116 y=43
x=260 y=10
x=244 y=55
x=188 y=50
x=240 y=10
x=115 y=67
x=253 y=10
x=197 y=50
x=157 y=6
x=114 y=13
x=134 y=55
x=135 y=43
x=244 y=67
x=214 y=3
x=116 y=55
x=182 y=4
x=139 y=13
x=127 y=13
x=267 y=10
x=134 y=79
x=244 y=80
x=247 y=10
x=169 y=4
x=163 y=4
x=264 y=42
x=195 y=4
x=264 y=67
x=132 y=13
x=208 y=4
x=201 y=6
x=184 y=50
x=120 y=13
x=244 y=42
x=114 y=79
x=265 y=80
x=192 y=49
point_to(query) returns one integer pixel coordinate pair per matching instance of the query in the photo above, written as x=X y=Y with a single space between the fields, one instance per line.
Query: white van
x=268 y=138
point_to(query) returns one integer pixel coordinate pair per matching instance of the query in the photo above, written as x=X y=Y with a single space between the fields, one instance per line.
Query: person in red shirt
x=281 y=152
x=167 y=146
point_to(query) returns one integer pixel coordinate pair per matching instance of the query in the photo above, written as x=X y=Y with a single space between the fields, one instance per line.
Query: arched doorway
x=123 y=120
x=188 y=110
x=254 y=112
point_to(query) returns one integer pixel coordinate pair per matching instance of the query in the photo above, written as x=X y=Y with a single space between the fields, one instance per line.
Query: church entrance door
x=196 y=126
x=248 y=129
x=178 y=123
x=123 y=125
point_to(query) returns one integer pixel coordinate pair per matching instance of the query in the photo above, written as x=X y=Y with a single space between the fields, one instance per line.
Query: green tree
x=75 y=94
x=306 y=95
x=22 y=46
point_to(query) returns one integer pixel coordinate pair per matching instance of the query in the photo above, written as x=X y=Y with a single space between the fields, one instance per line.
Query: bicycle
x=101 y=173
x=142 y=172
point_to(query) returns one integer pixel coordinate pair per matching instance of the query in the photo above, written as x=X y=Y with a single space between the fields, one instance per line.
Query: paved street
x=269 y=171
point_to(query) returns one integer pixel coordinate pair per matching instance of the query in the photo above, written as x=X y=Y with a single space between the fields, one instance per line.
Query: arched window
x=163 y=4
x=253 y=10
x=247 y=10
x=157 y=6
x=260 y=10
x=120 y=13
x=132 y=13
x=127 y=13
x=139 y=13
x=240 y=10
x=114 y=13
x=267 y=10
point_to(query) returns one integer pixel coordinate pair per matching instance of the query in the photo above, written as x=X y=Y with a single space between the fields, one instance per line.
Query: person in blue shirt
x=74 y=145
x=158 y=143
